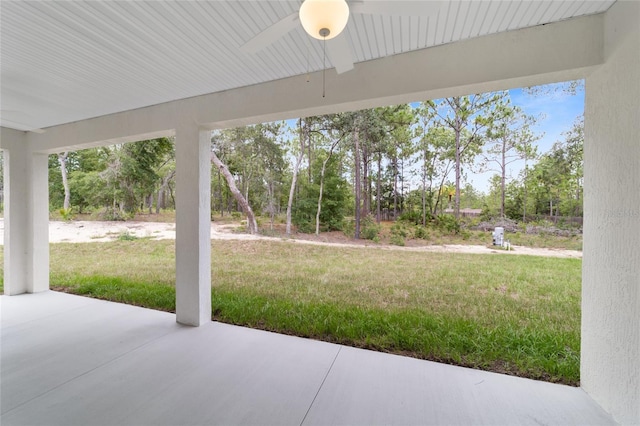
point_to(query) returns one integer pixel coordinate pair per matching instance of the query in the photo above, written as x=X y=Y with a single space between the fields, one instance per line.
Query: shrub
x=67 y=214
x=369 y=229
x=421 y=233
x=398 y=229
x=115 y=214
x=469 y=222
x=448 y=223
x=306 y=227
x=412 y=216
x=397 y=240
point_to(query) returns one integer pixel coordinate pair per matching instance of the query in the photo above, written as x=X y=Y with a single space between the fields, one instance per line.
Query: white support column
x=193 y=225
x=610 y=358
x=26 y=216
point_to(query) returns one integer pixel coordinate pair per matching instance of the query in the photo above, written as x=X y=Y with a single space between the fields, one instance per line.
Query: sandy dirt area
x=96 y=231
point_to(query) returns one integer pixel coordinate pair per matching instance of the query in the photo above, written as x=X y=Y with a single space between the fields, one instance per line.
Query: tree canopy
x=376 y=164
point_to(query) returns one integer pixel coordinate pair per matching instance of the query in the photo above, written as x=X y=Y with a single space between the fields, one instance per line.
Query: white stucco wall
x=610 y=359
x=26 y=215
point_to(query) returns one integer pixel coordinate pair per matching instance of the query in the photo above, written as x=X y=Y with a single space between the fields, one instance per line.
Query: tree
x=396 y=123
x=252 y=225
x=120 y=178
x=448 y=191
x=438 y=150
x=470 y=197
x=529 y=151
x=466 y=116
x=251 y=156
x=166 y=178
x=555 y=181
x=306 y=215
x=424 y=116
x=86 y=186
x=357 y=122
x=574 y=149
x=567 y=87
x=322 y=179
x=131 y=173
x=62 y=159
x=148 y=157
x=303 y=137
x=509 y=140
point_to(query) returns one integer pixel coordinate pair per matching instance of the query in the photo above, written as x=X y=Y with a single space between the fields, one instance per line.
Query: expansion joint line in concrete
x=321 y=385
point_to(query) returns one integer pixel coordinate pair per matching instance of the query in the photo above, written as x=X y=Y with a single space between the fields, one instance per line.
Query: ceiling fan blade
x=339 y=53
x=271 y=34
x=396 y=8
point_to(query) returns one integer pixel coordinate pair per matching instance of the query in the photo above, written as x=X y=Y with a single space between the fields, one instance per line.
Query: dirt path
x=96 y=231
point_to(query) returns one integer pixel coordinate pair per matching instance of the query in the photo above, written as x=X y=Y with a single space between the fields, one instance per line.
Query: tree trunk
x=424 y=190
x=272 y=207
x=251 y=219
x=246 y=192
x=292 y=190
x=365 y=180
x=324 y=167
x=62 y=159
x=309 y=158
x=356 y=156
x=524 y=198
x=379 y=188
x=439 y=197
x=249 y=176
x=160 y=199
x=577 y=209
x=401 y=185
x=503 y=177
x=161 y=202
x=395 y=187
x=304 y=130
x=223 y=197
x=457 y=204
x=172 y=196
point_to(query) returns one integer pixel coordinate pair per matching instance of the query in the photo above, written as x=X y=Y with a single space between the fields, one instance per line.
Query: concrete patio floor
x=69 y=360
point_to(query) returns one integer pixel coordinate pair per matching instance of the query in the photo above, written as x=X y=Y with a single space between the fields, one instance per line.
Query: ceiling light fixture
x=324 y=19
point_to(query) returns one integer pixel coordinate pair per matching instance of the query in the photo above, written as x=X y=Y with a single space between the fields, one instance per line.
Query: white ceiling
x=64 y=61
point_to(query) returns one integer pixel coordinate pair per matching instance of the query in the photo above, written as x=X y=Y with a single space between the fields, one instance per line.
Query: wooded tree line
x=406 y=161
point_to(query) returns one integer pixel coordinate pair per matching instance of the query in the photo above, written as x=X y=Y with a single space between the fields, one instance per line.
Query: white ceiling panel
x=63 y=61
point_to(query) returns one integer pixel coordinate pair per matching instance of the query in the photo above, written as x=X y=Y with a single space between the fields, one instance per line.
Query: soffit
x=65 y=61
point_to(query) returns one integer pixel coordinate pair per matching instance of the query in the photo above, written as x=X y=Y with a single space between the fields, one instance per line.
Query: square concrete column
x=26 y=216
x=193 y=225
x=610 y=354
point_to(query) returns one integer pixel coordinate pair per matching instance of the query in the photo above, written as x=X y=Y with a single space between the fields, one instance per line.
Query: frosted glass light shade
x=316 y=15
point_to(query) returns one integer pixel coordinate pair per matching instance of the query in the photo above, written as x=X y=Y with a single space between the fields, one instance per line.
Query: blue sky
x=557 y=111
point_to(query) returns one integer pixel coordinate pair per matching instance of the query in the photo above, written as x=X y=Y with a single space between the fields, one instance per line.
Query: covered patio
x=85 y=74
x=70 y=360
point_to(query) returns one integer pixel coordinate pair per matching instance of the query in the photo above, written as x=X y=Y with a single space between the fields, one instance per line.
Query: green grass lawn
x=513 y=314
